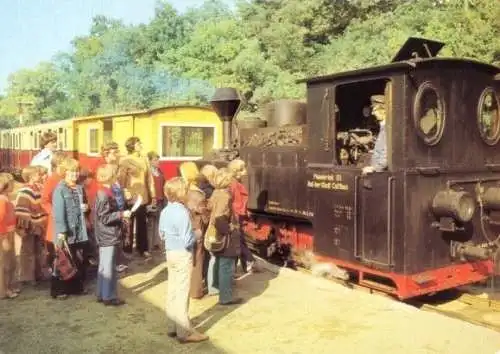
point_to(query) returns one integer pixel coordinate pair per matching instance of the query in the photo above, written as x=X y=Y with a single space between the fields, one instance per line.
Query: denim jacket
x=67 y=214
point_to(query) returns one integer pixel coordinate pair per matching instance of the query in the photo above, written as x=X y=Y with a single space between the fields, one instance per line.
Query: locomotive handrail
x=320 y=165
x=452 y=182
x=429 y=171
x=356 y=221
x=493 y=166
x=390 y=219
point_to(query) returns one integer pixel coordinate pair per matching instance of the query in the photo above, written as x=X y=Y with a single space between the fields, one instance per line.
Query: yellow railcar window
x=93 y=141
x=186 y=141
x=60 y=141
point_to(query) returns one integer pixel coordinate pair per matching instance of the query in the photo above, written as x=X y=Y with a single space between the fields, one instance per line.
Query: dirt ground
x=35 y=323
x=288 y=312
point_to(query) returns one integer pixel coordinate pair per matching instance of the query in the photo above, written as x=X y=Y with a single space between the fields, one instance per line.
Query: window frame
x=184 y=125
x=89 y=152
x=496 y=138
x=417 y=107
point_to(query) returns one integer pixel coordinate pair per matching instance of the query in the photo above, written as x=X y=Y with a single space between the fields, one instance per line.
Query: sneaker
x=251 y=267
x=194 y=338
x=235 y=301
x=11 y=295
x=121 y=267
x=114 y=302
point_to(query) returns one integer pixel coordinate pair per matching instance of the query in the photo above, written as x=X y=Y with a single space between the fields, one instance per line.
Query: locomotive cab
x=418 y=224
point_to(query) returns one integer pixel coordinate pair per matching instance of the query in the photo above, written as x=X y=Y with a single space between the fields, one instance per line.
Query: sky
x=32 y=31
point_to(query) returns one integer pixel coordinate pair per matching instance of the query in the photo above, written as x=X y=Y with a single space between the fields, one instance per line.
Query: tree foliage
x=261 y=47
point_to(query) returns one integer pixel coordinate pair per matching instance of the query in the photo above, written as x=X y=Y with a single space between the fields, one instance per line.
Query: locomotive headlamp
x=459 y=205
x=491 y=198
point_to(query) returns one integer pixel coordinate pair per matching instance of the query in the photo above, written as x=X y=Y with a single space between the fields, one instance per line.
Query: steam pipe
x=226 y=102
x=227 y=134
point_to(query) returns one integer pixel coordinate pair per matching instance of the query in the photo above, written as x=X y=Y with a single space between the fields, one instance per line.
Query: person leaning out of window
x=48 y=145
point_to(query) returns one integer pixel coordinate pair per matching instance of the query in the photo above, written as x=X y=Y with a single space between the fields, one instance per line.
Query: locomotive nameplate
x=330 y=181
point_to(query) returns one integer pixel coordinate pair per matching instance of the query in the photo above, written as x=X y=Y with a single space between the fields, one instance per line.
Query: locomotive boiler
x=429 y=220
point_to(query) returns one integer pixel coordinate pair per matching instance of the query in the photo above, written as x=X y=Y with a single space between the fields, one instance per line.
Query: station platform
x=284 y=312
x=292 y=312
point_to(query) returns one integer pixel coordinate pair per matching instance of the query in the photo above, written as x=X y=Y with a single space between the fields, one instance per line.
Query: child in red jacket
x=7 y=228
x=240 y=201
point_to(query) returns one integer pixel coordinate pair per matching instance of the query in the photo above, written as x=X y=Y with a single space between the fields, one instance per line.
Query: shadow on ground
x=35 y=323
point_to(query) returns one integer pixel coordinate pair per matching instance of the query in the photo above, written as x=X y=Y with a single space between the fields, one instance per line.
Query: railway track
x=470 y=304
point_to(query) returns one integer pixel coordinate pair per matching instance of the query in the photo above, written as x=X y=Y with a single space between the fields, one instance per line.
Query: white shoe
x=121 y=267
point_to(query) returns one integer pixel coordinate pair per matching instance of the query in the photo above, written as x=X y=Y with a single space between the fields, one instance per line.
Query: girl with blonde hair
x=205 y=179
x=69 y=204
x=225 y=243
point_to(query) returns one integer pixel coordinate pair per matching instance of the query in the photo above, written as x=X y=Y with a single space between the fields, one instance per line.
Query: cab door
x=374 y=235
x=335 y=211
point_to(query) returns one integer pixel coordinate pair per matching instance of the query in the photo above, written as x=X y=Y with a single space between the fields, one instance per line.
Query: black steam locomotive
x=428 y=220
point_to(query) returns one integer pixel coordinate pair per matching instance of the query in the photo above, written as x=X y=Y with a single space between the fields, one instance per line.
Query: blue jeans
x=107 y=279
x=226 y=271
x=213 y=275
x=246 y=255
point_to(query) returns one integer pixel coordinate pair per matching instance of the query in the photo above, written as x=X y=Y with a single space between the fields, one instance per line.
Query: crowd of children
x=66 y=217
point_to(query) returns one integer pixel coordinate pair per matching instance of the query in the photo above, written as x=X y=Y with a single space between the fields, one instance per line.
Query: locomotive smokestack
x=226 y=102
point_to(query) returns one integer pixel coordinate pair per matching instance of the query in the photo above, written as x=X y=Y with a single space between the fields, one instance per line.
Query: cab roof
x=414 y=53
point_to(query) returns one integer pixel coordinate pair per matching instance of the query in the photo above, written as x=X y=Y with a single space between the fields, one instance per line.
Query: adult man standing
x=48 y=144
x=379 y=157
x=137 y=181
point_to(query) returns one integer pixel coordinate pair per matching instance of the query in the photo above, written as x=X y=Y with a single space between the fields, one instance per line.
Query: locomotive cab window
x=186 y=142
x=488 y=117
x=429 y=114
x=361 y=109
